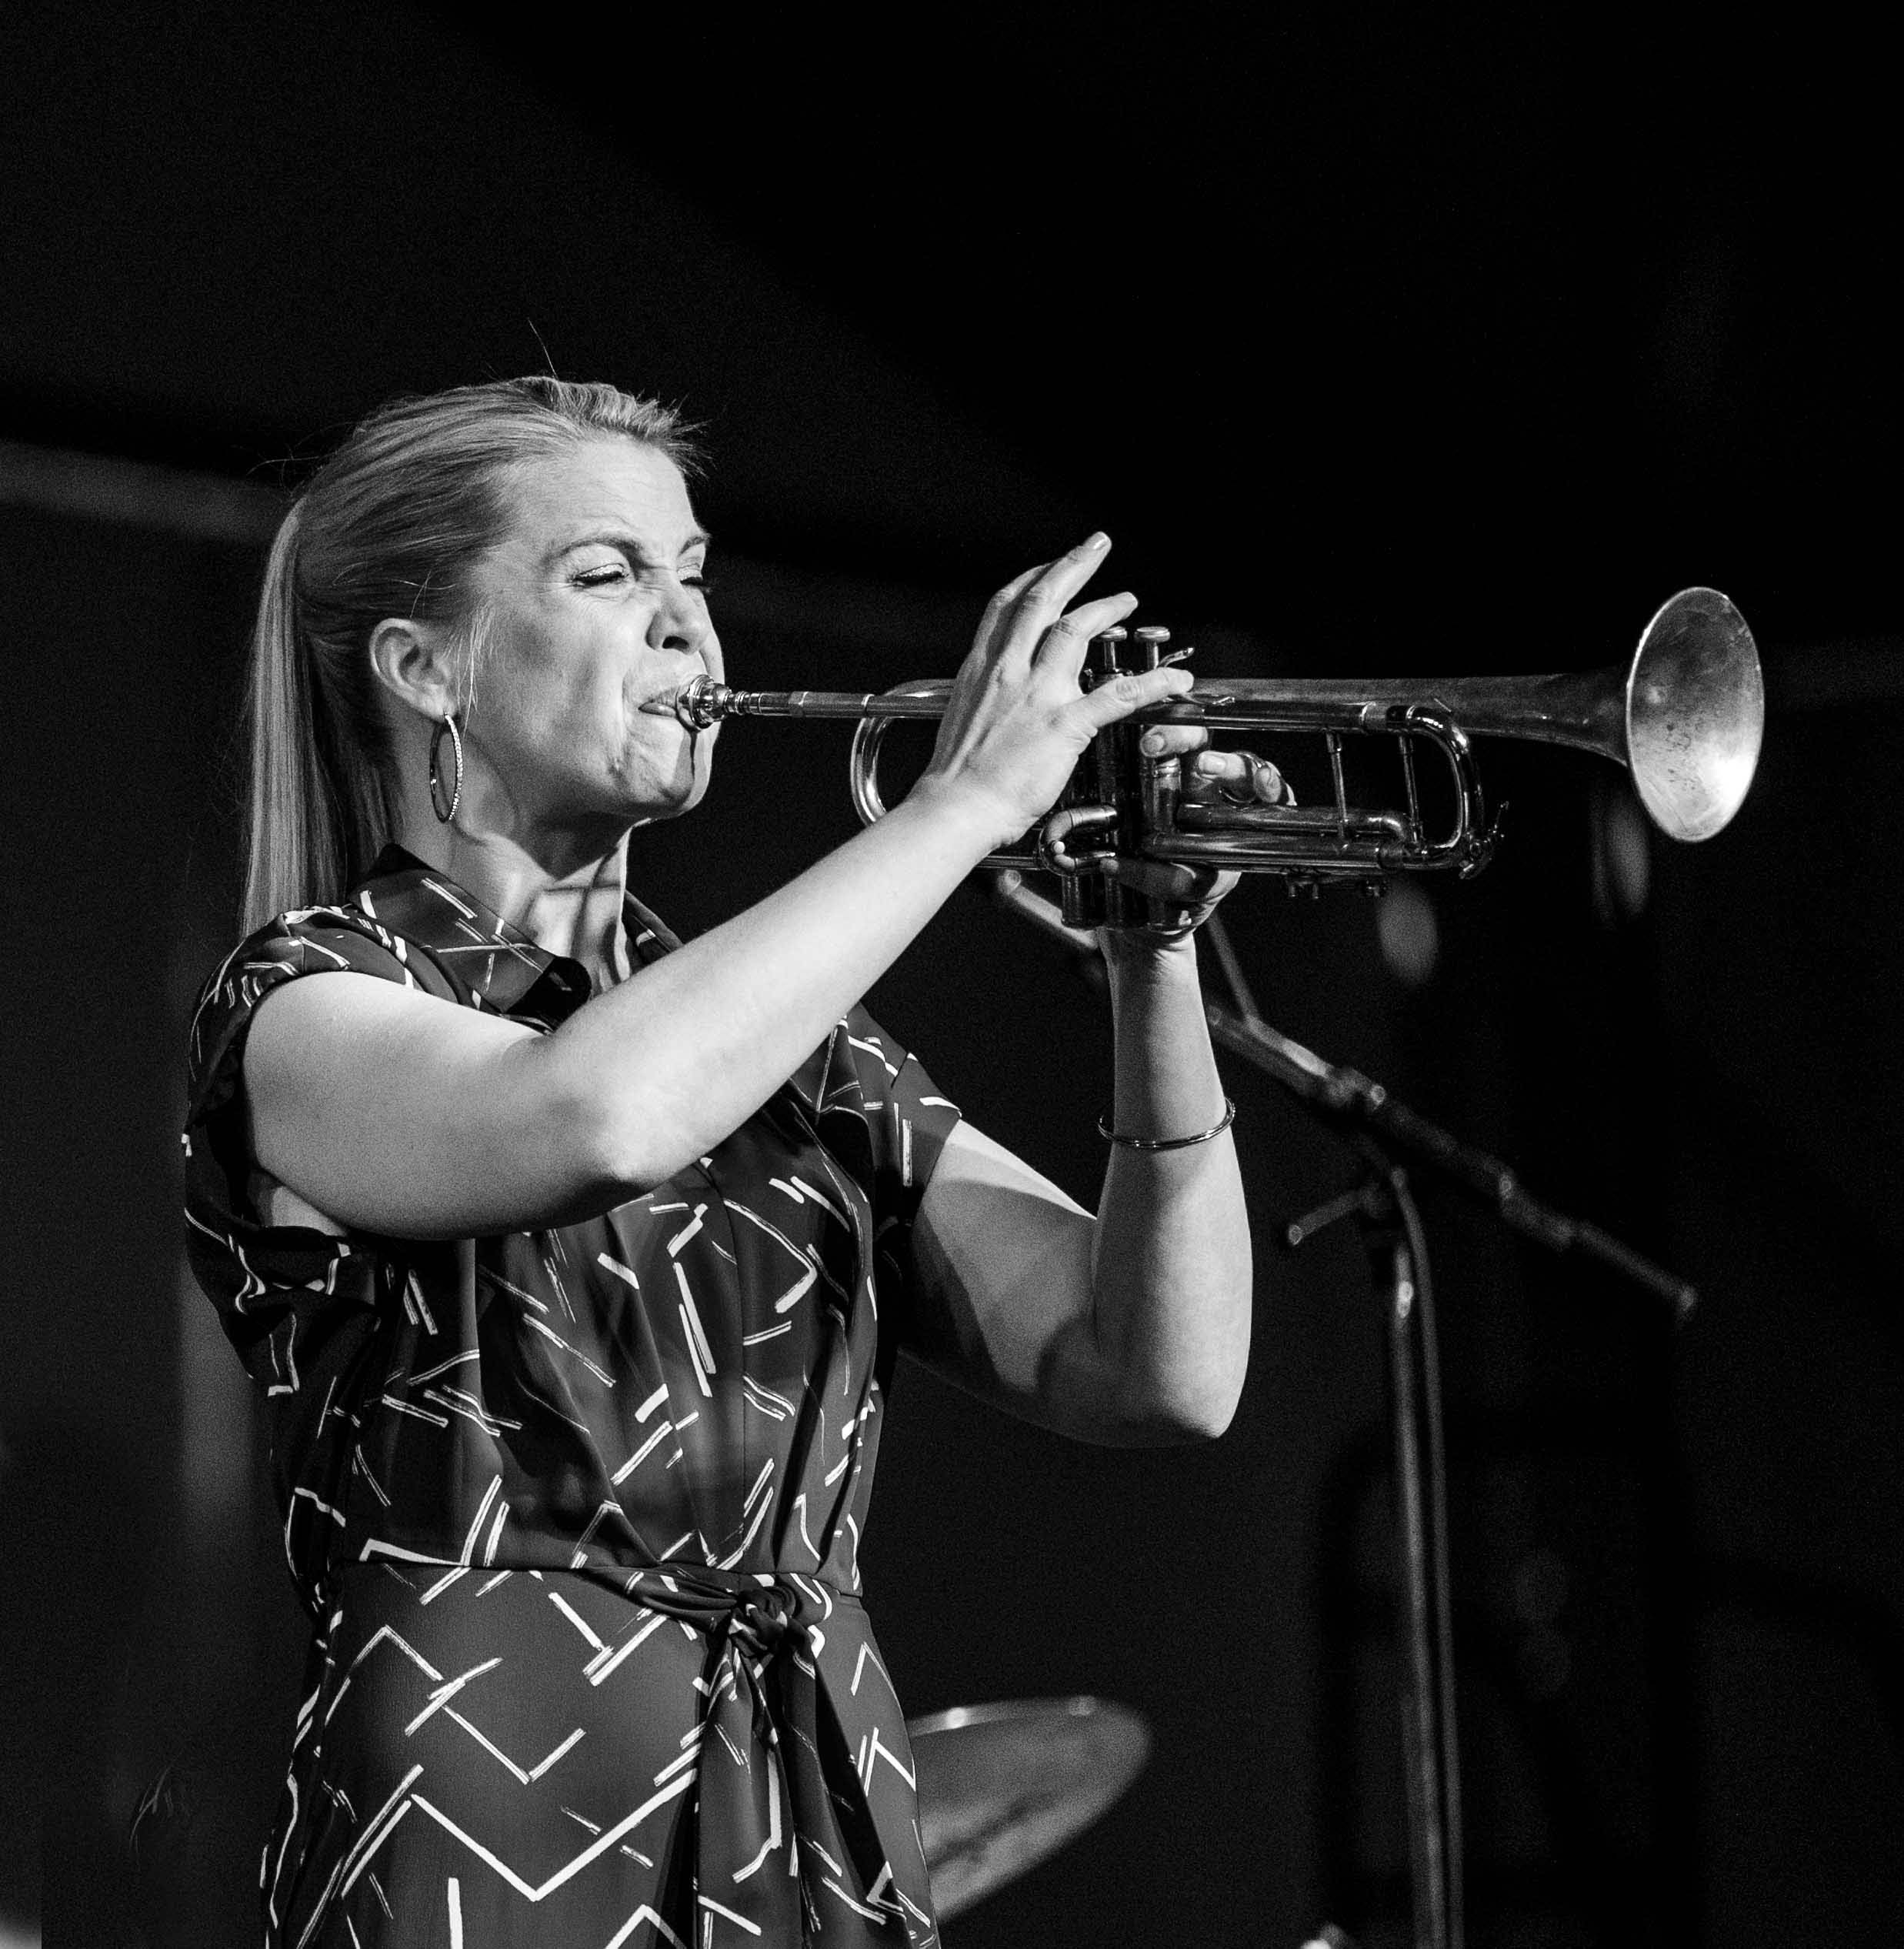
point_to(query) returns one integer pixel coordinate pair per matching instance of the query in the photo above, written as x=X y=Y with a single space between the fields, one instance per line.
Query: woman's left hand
x=1235 y=777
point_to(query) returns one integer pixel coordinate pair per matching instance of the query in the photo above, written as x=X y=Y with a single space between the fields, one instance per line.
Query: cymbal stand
x=1384 y=1131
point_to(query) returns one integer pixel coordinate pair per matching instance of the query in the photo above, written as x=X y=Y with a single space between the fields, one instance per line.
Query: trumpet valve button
x=1150 y=641
x=1105 y=646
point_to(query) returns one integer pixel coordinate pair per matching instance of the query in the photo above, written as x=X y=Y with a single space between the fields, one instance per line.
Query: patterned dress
x=576 y=1513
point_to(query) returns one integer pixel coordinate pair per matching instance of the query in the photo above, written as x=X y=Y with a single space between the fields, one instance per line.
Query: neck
x=566 y=903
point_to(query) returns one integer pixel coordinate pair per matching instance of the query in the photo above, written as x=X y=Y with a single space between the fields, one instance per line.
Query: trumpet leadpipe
x=703 y=701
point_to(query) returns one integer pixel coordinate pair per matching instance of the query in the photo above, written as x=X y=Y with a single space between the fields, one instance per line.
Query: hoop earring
x=445 y=812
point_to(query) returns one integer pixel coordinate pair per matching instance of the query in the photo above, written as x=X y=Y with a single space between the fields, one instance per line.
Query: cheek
x=598 y=692
x=532 y=677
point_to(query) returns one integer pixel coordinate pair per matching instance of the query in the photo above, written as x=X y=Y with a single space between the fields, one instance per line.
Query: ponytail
x=291 y=828
x=318 y=812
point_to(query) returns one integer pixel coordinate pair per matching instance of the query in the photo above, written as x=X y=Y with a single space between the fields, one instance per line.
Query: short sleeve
x=906 y=1119
x=260 y=1276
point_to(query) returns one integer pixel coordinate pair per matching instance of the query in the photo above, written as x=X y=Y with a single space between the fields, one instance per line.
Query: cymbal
x=1002 y=1786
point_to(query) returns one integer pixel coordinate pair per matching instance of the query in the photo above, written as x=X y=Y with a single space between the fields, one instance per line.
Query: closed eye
x=611 y=573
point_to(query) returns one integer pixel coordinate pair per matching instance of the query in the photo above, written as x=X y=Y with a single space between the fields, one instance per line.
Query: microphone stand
x=1386 y=1132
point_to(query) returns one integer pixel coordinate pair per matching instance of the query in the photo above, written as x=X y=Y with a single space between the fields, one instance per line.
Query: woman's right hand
x=1017 y=721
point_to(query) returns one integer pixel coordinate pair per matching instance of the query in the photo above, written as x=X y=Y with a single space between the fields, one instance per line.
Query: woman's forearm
x=347 y=1077
x=1171 y=1275
x=670 y=1062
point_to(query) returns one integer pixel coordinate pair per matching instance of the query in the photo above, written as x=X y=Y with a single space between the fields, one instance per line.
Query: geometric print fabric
x=576 y=1513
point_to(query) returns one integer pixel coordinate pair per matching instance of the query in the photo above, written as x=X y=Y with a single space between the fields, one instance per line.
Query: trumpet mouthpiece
x=696 y=704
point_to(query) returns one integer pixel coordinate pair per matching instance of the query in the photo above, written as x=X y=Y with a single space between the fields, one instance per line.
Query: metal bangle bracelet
x=1169 y=1143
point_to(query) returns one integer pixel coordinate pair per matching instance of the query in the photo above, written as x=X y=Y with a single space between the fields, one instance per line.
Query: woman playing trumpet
x=574 y=1260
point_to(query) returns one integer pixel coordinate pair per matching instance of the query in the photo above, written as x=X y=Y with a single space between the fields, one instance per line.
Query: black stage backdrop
x=1375 y=343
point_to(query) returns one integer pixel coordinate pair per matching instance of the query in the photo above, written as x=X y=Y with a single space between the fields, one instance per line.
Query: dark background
x=1393 y=340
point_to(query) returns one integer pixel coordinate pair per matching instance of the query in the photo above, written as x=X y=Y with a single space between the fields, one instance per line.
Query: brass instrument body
x=1685 y=715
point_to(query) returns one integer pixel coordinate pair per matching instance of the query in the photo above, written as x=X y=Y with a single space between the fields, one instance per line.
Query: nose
x=680 y=623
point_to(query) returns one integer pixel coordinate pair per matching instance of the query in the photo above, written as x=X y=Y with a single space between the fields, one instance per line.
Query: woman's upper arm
x=397 y=1112
x=1003 y=1258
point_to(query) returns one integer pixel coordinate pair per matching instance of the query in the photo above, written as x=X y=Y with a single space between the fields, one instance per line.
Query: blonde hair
x=390 y=524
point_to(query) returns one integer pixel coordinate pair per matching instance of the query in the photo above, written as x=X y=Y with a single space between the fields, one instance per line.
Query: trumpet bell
x=1695 y=711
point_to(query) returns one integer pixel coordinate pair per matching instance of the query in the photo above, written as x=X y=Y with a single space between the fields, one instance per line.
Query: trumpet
x=1685 y=715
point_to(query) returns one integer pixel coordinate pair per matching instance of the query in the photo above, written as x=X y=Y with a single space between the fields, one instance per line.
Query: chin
x=668 y=798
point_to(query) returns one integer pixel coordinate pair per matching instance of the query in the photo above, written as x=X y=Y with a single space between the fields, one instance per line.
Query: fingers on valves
x=1132 y=690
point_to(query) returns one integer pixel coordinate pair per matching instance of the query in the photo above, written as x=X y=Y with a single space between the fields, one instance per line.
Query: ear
x=413 y=663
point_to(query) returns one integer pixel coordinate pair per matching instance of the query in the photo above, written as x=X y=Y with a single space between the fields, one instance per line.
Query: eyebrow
x=617 y=537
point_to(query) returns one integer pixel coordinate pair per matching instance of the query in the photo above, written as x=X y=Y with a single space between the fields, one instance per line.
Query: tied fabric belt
x=805 y=1810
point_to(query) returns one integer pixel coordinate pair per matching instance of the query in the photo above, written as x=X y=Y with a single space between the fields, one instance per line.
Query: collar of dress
x=497 y=965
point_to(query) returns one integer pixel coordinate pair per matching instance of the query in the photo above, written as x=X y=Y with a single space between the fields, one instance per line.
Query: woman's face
x=597 y=604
